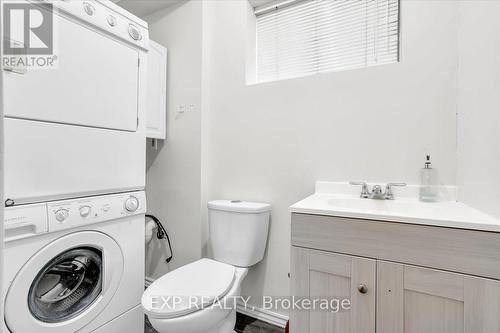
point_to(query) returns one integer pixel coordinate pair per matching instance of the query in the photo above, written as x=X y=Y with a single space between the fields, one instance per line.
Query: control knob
x=89 y=9
x=131 y=204
x=85 y=211
x=61 y=215
x=111 y=20
x=134 y=32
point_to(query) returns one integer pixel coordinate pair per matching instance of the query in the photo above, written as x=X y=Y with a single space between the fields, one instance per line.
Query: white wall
x=479 y=105
x=173 y=176
x=1 y=186
x=271 y=142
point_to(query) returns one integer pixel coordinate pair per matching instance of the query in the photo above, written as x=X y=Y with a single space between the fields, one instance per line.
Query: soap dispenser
x=429 y=184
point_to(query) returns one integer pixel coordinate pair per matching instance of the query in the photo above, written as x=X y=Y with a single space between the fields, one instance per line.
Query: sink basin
x=404 y=209
x=401 y=207
x=370 y=204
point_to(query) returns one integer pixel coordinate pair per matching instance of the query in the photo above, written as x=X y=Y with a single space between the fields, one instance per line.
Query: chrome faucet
x=376 y=191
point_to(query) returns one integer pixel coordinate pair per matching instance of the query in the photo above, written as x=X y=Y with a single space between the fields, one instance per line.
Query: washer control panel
x=74 y=213
x=25 y=221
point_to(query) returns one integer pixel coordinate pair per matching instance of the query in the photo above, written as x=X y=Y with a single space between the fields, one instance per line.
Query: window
x=302 y=37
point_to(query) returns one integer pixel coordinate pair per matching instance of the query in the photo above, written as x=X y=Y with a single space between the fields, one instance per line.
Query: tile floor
x=147 y=326
x=244 y=324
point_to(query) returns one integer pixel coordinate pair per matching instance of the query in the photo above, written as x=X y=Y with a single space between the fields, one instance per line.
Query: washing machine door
x=65 y=285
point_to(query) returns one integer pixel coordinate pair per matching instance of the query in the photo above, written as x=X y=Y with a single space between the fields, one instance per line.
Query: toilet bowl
x=201 y=297
x=215 y=316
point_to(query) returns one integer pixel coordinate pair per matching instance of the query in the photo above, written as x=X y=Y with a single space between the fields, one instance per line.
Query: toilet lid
x=188 y=289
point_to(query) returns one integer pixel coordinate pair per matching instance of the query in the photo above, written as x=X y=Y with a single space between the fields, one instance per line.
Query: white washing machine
x=75 y=265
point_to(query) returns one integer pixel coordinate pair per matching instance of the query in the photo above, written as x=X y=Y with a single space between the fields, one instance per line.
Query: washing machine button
x=85 y=211
x=131 y=204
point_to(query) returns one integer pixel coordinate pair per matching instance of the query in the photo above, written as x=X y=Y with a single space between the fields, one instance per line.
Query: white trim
x=267 y=316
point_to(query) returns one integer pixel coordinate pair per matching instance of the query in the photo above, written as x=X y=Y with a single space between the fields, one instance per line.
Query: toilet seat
x=188 y=289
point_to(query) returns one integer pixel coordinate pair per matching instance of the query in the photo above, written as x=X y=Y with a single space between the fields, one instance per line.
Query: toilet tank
x=238 y=231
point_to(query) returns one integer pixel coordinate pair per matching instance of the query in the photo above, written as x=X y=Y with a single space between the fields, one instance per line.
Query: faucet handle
x=388 y=190
x=364 y=189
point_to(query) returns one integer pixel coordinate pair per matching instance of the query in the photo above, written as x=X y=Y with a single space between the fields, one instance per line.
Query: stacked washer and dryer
x=75 y=175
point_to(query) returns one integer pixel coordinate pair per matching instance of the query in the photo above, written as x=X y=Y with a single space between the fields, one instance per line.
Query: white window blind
x=305 y=37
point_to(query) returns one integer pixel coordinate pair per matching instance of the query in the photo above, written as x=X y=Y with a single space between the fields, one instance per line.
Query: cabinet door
x=157 y=91
x=419 y=300
x=320 y=275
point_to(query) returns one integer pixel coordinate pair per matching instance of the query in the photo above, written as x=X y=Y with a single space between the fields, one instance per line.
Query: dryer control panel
x=25 y=221
x=109 y=18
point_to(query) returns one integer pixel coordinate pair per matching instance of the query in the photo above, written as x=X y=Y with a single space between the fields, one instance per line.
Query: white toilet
x=200 y=297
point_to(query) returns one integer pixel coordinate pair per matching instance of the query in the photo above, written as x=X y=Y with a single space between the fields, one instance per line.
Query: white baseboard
x=267 y=316
x=147 y=281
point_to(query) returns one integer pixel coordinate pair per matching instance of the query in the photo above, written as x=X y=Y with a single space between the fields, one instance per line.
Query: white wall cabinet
x=156 y=116
x=396 y=297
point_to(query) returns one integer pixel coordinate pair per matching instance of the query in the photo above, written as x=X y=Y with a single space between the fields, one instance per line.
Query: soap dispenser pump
x=429 y=185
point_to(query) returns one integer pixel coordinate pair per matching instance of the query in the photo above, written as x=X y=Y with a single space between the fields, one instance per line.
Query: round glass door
x=66 y=285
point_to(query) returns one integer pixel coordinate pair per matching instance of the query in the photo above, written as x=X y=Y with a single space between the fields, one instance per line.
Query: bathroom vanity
x=406 y=266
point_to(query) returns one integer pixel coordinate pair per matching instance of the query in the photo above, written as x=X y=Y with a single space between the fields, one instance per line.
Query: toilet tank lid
x=239 y=206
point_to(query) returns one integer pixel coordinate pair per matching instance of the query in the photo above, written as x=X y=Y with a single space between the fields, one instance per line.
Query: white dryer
x=79 y=129
x=75 y=265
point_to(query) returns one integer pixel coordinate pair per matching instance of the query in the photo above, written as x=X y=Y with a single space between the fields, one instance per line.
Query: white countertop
x=342 y=200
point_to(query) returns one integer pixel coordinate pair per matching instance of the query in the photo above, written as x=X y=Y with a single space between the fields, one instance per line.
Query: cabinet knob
x=362 y=288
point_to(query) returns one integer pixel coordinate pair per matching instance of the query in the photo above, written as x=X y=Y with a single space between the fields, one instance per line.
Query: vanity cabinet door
x=419 y=300
x=322 y=275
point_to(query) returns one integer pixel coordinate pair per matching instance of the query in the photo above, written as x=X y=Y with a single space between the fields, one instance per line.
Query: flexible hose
x=161 y=233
